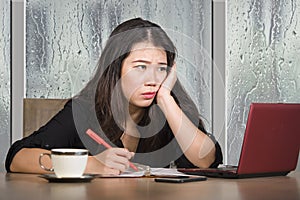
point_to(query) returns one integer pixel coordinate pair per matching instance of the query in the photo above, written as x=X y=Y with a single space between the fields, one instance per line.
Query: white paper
x=152 y=172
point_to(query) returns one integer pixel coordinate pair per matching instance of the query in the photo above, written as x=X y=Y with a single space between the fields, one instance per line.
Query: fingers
x=110 y=171
x=171 y=79
x=123 y=152
x=116 y=158
x=174 y=67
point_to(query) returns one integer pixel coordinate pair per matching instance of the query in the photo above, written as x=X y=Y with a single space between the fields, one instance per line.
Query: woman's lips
x=149 y=95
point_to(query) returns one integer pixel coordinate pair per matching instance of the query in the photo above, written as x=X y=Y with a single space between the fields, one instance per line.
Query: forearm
x=195 y=144
x=27 y=161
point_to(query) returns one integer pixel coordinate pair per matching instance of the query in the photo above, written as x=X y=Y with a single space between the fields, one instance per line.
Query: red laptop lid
x=272 y=139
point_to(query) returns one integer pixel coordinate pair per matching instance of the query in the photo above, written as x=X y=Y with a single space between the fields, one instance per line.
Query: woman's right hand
x=111 y=161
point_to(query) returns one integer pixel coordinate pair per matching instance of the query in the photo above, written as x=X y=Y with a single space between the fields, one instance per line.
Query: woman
x=135 y=102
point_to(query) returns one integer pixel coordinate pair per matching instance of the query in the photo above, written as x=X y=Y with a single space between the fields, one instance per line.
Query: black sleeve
x=218 y=154
x=59 y=132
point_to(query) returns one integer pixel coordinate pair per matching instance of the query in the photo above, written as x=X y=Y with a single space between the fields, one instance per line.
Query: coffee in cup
x=66 y=163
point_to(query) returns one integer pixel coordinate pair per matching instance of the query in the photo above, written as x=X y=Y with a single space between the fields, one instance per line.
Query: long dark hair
x=100 y=88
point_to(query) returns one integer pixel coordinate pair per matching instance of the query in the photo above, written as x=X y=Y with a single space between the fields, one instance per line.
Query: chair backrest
x=37 y=112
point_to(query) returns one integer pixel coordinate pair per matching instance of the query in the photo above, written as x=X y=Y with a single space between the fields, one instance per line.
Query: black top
x=67 y=130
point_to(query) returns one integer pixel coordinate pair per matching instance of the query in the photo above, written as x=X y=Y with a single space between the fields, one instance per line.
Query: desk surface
x=30 y=186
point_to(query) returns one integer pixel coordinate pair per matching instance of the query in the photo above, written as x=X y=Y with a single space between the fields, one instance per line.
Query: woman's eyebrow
x=148 y=62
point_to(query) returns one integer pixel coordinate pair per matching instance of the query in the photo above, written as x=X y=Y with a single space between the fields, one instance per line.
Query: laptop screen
x=272 y=138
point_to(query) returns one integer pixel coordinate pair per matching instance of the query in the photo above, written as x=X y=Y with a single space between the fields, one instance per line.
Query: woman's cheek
x=130 y=85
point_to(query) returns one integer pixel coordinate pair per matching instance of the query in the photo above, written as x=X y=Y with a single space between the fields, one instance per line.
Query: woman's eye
x=141 y=67
x=162 y=68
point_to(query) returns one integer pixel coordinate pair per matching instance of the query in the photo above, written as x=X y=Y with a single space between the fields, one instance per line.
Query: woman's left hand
x=168 y=84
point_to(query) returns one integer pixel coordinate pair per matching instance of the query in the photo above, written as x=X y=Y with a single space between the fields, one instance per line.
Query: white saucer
x=54 y=178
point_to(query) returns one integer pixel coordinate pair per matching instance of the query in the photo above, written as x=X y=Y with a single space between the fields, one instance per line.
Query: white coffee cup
x=66 y=163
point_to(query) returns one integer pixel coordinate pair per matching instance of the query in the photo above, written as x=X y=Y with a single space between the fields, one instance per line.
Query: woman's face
x=143 y=71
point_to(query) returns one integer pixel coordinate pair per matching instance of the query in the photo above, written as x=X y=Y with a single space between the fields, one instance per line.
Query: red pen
x=98 y=139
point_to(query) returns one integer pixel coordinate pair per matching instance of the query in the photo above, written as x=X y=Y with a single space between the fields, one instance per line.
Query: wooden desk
x=28 y=186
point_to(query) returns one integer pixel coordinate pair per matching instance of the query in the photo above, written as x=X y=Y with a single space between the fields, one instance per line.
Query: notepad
x=146 y=171
x=161 y=172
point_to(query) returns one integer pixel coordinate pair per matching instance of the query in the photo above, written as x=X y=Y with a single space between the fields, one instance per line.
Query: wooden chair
x=38 y=112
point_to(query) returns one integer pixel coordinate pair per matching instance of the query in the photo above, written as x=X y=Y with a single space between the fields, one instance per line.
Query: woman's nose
x=150 y=82
x=152 y=78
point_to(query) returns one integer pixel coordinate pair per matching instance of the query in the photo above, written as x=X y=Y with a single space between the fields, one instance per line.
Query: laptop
x=270 y=146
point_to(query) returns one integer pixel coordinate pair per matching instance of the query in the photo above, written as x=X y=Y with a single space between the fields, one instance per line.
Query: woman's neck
x=136 y=113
